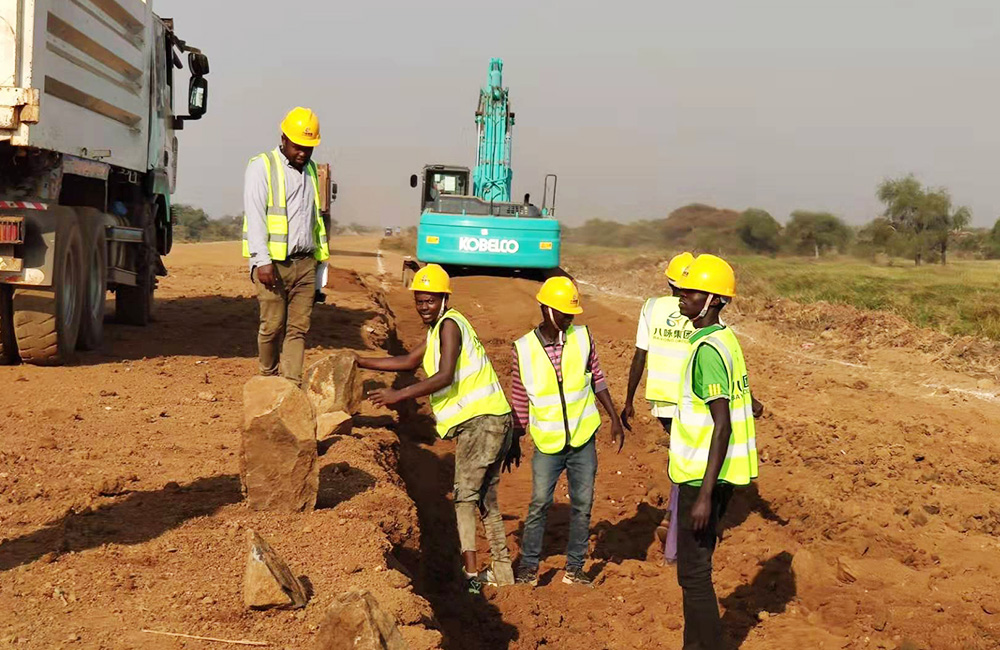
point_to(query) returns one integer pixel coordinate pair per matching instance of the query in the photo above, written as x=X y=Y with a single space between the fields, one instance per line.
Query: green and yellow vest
x=559 y=413
x=691 y=430
x=475 y=390
x=277 y=211
x=669 y=331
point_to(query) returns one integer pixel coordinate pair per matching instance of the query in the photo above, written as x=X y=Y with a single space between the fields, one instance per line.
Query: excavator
x=468 y=223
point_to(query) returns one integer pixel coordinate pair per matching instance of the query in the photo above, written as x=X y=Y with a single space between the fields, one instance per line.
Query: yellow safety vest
x=691 y=431
x=669 y=331
x=277 y=211
x=559 y=413
x=475 y=390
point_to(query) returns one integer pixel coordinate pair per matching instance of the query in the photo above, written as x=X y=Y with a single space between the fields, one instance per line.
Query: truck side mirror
x=413 y=180
x=197 y=97
x=333 y=192
x=198 y=64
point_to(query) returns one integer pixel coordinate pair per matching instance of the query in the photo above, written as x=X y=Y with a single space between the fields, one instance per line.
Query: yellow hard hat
x=301 y=126
x=709 y=274
x=431 y=279
x=675 y=269
x=560 y=294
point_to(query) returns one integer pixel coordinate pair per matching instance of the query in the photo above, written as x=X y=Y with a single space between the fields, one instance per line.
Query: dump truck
x=88 y=161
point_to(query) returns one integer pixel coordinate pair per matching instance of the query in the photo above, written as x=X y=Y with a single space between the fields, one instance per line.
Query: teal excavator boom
x=491 y=180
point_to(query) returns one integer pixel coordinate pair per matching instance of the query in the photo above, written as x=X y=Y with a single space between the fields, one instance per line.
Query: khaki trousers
x=285 y=312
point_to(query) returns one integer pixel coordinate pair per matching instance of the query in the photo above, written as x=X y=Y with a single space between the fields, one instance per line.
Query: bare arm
x=400 y=363
x=617 y=434
x=634 y=377
x=451 y=345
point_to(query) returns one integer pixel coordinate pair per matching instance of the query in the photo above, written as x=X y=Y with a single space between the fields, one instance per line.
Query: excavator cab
x=441 y=180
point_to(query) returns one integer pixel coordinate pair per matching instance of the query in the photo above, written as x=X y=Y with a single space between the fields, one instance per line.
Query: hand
x=758 y=408
x=384 y=396
x=627 y=414
x=265 y=275
x=618 y=435
x=701 y=512
x=513 y=455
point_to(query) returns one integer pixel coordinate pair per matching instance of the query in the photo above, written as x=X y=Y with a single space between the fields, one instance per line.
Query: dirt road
x=875 y=520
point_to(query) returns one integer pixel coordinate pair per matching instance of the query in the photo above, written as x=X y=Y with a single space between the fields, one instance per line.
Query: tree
x=816 y=232
x=189 y=222
x=924 y=214
x=759 y=230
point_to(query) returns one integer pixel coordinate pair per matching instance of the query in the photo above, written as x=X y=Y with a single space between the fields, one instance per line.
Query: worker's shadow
x=747 y=500
x=465 y=620
x=133 y=519
x=770 y=591
x=629 y=539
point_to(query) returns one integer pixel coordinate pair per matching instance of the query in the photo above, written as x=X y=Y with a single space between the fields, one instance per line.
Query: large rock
x=333 y=384
x=355 y=621
x=268 y=582
x=278 y=458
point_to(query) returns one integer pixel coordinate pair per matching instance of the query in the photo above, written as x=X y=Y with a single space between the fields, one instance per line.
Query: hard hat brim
x=688 y=287
x=422 y=290
x=302 y=142
x=572 y=311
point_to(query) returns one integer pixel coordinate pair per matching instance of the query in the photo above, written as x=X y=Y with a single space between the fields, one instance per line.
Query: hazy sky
x=639 y=107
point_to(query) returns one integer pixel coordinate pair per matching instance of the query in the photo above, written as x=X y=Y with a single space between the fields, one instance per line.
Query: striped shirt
x=519 y=396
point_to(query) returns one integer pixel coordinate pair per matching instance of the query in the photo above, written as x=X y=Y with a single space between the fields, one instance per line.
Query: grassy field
x=960 y=298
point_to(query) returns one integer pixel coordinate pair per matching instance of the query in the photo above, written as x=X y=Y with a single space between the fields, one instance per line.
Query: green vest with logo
x=475 y=389
x=559 y=413
x=276 y=214
x=691 y=430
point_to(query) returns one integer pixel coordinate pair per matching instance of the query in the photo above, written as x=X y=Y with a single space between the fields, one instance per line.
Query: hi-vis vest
x=558 y=413
x=475 y=390
x=669 y=331
x=277 y=211
x=691 y=430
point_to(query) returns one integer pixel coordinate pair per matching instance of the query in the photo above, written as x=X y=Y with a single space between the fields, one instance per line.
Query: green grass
x=962 y=297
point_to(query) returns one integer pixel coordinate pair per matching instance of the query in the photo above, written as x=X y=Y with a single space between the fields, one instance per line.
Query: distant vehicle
x=398 y=230
x=388 y=232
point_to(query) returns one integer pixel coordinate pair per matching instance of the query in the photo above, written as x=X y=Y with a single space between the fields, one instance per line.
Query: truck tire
x=8 y=344
x=47 y=321
x=95 y=279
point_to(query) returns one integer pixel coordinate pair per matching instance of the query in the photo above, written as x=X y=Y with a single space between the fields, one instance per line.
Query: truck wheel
x=134 y=305
x=47 y=321
x=8 y=344
x=95 y=283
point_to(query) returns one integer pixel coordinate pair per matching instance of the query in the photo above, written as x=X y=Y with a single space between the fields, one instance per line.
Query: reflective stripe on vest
x=276 y=214
x=475 y=389
x=692 y=428
x=558 y=413
x=669 y=331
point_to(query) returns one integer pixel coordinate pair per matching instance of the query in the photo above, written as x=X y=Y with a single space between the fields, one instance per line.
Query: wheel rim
x=69 y=288
x=95 y=286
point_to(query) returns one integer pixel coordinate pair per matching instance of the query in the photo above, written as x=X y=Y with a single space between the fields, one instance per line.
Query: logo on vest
x=487 y=245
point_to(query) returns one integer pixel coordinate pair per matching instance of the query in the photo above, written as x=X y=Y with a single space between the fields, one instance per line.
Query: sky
x=639 y=107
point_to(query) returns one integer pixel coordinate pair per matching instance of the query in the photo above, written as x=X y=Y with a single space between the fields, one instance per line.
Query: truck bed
x=74 y=77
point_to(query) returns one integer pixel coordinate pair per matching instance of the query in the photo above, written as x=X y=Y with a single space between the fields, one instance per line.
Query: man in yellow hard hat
x=661 y=346
x=285 y=240
x=557 y=382
x=712 y=441
x=469 y=406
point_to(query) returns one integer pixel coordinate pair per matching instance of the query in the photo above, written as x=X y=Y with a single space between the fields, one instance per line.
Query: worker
x=469 y=407
x=712 y=441
x=285 y=240
x=661 y=346
x=557 y=381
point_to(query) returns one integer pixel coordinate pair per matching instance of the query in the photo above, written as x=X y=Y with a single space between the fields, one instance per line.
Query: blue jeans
x=581 y=468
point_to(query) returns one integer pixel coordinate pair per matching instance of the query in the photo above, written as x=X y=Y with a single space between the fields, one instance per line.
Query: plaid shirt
x=519 y=396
